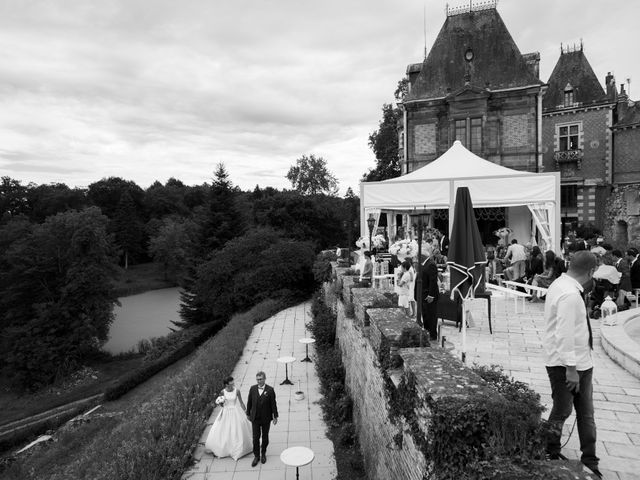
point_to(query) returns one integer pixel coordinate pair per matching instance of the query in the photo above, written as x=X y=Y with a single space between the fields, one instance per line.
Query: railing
x=569 y=156
x=471 y=7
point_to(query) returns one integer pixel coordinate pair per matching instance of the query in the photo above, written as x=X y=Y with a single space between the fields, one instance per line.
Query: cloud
x=150 y=90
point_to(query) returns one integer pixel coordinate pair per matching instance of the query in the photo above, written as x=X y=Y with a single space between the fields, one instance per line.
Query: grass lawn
x=14 y=406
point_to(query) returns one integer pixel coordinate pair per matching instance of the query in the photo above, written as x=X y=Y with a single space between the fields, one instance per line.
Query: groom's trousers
x=260 y=429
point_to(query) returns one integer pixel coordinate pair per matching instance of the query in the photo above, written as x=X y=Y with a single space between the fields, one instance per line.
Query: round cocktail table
x=306 y=342
x=286 y=361
x=297 y=457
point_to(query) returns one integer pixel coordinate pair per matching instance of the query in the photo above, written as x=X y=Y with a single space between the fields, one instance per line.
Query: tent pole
x=452 y=203
x=464 y=331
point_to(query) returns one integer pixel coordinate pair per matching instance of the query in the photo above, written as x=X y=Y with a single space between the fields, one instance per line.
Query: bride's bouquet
x=220 y=401
x=404 y=249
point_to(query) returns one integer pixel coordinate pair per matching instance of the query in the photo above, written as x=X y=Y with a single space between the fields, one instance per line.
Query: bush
x=468 y=437
x=323 y=325
x=322 y=267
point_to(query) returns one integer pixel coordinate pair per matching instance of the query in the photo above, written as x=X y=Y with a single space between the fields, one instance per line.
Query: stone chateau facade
x=477 y=87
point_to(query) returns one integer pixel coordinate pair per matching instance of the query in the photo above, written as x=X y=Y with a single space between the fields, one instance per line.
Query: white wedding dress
x=230 y=434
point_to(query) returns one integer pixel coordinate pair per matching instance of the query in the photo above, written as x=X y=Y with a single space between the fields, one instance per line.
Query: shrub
x=322 y=270
x=323 y=325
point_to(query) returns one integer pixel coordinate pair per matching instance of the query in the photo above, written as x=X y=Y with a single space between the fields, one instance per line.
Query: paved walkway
x=300 y=422
x=516 y=345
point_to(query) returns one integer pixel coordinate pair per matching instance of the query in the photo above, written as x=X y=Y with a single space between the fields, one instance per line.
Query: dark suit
x=634 y=273
x=429 y=289
x=625 y=281
x=261 y=409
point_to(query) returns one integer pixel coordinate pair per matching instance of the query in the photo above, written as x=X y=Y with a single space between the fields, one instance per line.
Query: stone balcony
x=562 y=157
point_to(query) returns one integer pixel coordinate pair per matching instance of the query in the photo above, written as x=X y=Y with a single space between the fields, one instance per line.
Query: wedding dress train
x=230 y=434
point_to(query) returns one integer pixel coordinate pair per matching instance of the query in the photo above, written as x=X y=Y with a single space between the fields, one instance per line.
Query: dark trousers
x=260 y=429
x=563 y=401
x=430 y=318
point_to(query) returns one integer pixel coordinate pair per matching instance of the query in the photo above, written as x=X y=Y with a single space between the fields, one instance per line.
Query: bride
x=230 y=434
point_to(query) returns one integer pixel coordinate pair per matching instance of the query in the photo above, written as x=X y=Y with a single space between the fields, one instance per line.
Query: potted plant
x=299 y=395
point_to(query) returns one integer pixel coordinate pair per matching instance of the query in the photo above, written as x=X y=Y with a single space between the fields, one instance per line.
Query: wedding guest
x=546 y=278
x=634 y=267
x=403 y=286
x=535 y=265
x=517 y=255
x=367 y=271
x=568 y=343
x=622 y=265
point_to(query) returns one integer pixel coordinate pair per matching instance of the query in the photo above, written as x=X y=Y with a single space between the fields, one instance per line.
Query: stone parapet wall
x=369 y=343
x=372 y=337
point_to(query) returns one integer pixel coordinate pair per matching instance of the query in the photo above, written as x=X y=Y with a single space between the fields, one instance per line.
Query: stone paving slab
x=300 y=423
x=516 y=345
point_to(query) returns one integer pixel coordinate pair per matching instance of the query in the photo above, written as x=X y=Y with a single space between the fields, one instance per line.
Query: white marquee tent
x=434 y=187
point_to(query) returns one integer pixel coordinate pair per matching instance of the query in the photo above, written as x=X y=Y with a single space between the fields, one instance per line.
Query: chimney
x=533 y=62
x=623 y=102
x=610 y=83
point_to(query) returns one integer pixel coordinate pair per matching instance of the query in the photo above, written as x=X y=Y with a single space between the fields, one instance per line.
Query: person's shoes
x=264 y=458
x=595 y=471
x=255 y=461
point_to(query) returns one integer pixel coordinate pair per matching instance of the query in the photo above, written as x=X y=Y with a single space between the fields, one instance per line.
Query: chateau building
x=477 y=87
x=577 y=117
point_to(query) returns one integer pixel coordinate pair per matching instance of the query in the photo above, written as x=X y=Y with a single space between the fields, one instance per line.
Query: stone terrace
x=516 y=345
x=300 y=423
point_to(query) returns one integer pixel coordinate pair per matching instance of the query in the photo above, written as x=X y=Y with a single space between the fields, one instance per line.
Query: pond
x=143 y=316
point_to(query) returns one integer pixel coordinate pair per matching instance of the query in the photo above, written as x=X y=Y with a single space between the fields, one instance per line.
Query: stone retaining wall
x=369 y=344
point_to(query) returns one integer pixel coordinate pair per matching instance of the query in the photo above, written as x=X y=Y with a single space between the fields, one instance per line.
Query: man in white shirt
x=568 y=342
x=517 y=254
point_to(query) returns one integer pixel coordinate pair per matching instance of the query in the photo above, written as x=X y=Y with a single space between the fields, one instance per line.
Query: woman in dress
x=230 y=434
x=403 y=286
x=545 y=278
x=412 y=287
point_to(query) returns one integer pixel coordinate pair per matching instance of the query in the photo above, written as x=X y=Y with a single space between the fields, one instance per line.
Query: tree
x=173 y=246
x=259 y=265
x=47 y=200
x=384 y=143
x=128 y=228
x=222 y=220
x=310 y=176
x=56 y=296
x=106 y=194
x=13 y=198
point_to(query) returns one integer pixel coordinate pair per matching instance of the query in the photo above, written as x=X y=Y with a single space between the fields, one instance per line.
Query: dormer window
x=568 y=95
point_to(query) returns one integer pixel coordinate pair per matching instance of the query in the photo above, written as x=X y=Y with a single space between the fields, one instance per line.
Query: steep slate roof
x=573 y=68
x=497 y=61
x=630 y=117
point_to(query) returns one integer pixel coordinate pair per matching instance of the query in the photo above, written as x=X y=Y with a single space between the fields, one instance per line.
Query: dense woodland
x=62 y=248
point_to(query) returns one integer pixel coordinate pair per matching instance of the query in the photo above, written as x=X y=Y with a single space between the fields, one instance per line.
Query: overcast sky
x=152 y=89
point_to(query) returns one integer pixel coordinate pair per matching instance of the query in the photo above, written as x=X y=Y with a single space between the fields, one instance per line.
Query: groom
x=261 y=410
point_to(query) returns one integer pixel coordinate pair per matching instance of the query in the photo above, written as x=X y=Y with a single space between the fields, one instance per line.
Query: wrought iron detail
x=569 y=156
x=472 y=7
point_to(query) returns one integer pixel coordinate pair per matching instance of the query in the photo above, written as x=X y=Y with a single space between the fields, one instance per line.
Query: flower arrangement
x=431 y=233
x=379 y=241
x=220 y=401
x=363 y=243
x=404 y=249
